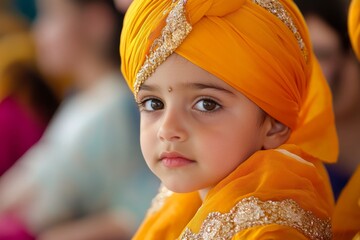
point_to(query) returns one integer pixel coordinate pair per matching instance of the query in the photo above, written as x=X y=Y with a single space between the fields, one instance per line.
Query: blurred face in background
x=122 y=5
x=339 y=65
x=59 y=36
x=327 y=47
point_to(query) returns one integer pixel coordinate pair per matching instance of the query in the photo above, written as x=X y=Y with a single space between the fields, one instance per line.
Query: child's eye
x=207 y=105
x=151 y=104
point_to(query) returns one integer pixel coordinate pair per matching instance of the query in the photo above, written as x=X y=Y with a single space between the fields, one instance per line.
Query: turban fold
x=266 y=48
x=354 y=26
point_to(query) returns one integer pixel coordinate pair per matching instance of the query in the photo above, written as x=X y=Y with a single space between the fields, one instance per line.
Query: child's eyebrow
x=201 y=86
x=147 y=87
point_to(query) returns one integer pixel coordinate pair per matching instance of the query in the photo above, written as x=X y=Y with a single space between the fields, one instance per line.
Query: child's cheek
x=148 y=144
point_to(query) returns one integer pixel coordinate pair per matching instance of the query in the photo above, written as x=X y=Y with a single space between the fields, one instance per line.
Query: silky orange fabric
x=268 y=175
x=253 y=51
x=270 y=232
x=346 y=219
x=354 y=26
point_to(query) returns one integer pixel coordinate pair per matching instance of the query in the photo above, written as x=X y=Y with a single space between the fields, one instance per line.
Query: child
x=236 y=119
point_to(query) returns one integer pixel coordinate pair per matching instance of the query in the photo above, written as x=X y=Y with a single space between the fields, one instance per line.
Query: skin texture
x=203 y=120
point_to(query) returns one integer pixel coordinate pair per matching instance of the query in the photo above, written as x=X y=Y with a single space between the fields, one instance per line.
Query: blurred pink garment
x=13 y=229
x=19 y=130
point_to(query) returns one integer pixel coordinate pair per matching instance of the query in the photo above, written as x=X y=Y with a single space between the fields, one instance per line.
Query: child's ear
x=276 y=133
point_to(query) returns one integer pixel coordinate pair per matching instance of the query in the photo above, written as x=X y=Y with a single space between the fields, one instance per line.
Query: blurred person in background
x=327 y=24
x=85 y=179
x=122 y=5
x=26 y=101
x=346 y=219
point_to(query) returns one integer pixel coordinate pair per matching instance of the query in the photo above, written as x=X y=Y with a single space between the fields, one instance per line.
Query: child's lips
x=174 y=160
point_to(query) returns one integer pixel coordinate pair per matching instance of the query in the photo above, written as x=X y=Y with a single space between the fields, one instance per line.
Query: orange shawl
x=272 y=195
x=346 y=219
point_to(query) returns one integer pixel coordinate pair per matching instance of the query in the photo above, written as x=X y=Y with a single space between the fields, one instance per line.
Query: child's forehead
x=184 y=77
x=177 y=70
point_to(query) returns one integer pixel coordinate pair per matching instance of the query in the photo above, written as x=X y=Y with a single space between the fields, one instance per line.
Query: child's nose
x=172 y=127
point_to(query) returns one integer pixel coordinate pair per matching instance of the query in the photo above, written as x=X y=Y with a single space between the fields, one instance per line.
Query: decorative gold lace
x=159 y=200
x=276 y=8
x=251 y=212
x=174 y=33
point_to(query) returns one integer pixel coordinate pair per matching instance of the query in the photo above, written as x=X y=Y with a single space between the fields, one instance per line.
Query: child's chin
x=180 y=188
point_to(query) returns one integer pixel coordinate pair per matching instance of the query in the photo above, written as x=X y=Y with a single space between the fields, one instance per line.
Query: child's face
x=195 y=129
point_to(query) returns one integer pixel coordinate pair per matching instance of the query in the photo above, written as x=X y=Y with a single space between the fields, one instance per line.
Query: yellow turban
x=354 y=26
x=259 y=47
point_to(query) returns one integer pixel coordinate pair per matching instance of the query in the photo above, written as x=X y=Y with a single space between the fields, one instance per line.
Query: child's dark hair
x=112 y=52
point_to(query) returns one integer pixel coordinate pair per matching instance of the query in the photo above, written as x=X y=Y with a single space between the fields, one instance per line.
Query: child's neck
x=203 y=193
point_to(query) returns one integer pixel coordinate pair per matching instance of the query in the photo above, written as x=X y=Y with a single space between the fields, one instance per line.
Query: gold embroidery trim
x=173 y=34
x=277 y=9
x=252 y=212
x=158 y=202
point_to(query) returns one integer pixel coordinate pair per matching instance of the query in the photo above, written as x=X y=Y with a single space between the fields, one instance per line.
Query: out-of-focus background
x=25 y=8
x=70 y=163
x=327 y=23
